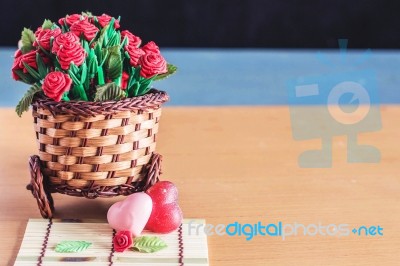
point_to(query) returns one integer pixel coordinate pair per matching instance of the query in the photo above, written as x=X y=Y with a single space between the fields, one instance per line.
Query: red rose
x=61 y=39
x=152 y=64
x=19 y=60
x=55 y=84
x=122 y=241
x=43 y=37
x=124 y=80
x=151 y=47
x=133 y=40
x=86 y=28
x=135 y=54
x=71 y=19
x=71 y=52
x=105 y=19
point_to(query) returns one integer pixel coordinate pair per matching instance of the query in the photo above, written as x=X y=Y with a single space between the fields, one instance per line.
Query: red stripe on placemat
x=110 y=258
x=180 y=242
x=45 y=241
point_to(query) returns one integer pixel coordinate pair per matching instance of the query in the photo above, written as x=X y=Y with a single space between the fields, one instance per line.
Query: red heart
x=166 y=216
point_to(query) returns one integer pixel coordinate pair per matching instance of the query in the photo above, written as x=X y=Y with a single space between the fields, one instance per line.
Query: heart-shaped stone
x=166 y=215
x=131 y=214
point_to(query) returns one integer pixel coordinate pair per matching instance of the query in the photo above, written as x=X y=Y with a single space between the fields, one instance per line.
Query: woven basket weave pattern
x=101 y=154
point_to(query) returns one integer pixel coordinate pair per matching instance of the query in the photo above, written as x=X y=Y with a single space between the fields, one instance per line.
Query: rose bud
x=71 y=19
x=105 y=19
x=61 y=39
x=133 y=40
x=85 y=28
x=122 y=241
x=151 y=47
x=55 y=84
x=134 y=54
x=43 y=37
x=70 y=52
x=152 y=64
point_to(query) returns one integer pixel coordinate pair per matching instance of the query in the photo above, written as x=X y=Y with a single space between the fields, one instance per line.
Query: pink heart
x=131 y=214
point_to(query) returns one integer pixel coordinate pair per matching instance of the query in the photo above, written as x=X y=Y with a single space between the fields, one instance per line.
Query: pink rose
x=135 y=54
x=61 y=39
x=105 y=19
x=124 y=80
x=85 y=28
x=132 y=39
x=151 y=47
x=43 y=37
x=122 y=241
x=71 y=52
x=152 y=64
x=55 y=84
x=19 y=60
x=71 y=19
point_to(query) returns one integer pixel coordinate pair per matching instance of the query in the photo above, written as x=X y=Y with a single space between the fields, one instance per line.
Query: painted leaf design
x=26 y=100
x=27 y=38
x=149 y=244
x=47 y=24
x=114 y=63
x=72 y=246
x=108 y=92
x=171 y=69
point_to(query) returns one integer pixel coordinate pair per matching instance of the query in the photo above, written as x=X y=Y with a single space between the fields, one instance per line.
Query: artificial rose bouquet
x=86 y=58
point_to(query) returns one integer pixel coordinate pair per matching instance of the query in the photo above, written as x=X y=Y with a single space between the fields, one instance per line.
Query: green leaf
x=83 y=73
x=92 y=64
x=24 y=77
x=114 y=63
x=110 y=28
x=47 y=24
x=87 y=13
x=85 y=45
x=115 y=39
x=74 y=73
x=103 y=39
x=171 y=69
x=149 y=244
x=32 y=71
x=100 y=75
x=27 y=39
x=99 y=53
x=55 y=26
x=74 y=78
x=144 y=86
x=133 y=90
x=81 y=92
x=26 y=100
x=72 y=246
x=109 y=92
x=41 y=66
x=124 y=43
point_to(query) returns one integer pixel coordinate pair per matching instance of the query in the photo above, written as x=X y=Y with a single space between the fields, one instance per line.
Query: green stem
x=100 y=75
x=65 y=97
x=118 y=81
x=136 y=87
x=82 y=93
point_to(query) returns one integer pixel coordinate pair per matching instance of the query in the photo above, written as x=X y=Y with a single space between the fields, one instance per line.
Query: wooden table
x=240 y=164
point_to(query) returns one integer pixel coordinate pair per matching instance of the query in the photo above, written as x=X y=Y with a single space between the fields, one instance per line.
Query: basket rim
x=150 y=101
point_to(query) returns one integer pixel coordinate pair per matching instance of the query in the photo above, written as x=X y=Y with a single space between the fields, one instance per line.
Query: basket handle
x=153 y=169
x=38 y=187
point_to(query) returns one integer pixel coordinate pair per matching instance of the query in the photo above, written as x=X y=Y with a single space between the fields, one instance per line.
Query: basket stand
x=41 y=188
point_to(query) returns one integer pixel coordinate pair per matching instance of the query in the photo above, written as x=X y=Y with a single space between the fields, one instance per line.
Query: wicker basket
x=95 y=149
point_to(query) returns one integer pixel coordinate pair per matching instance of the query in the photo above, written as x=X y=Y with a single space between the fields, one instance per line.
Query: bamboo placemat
x=41 y=237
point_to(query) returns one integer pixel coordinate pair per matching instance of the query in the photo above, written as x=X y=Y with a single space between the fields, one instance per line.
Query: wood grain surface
x=240 y=164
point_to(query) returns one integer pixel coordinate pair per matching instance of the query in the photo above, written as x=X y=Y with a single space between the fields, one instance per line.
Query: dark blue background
x=222 y=23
